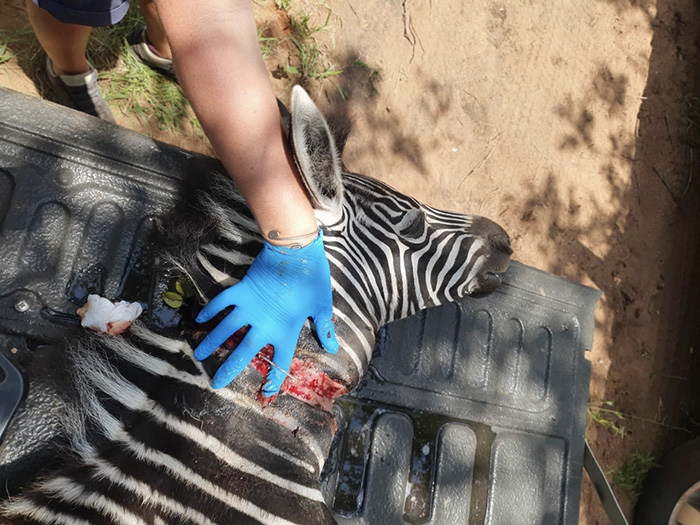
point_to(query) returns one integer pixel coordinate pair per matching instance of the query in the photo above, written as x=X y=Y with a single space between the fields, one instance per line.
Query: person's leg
x=149 y=44
x=73 y=78
x=154 y=29
x=63 y=43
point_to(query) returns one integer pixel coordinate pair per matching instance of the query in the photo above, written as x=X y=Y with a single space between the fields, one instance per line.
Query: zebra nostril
x=501 y=243
x=494 y=234
x=486 y=284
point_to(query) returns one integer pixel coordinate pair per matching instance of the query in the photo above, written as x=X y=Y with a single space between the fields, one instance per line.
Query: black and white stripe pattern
x=151 y=442
x=392 y=256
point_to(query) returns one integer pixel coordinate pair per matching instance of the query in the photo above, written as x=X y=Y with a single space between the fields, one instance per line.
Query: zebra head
x=390 y=255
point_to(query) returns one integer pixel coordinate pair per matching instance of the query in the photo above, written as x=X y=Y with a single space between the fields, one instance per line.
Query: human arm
x=220 y=67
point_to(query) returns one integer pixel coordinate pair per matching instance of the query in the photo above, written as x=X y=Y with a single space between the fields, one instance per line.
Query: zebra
x=146 y=440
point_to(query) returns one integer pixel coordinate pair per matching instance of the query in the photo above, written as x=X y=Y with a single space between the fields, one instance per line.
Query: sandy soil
x=566 y=122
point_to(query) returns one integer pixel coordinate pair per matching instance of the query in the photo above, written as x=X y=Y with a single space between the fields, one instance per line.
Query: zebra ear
x=315 y=153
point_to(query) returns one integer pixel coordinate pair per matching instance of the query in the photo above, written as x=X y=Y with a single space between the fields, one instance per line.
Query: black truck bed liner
x=473 y=412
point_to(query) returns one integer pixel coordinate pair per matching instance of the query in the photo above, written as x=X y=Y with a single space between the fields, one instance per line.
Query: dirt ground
x=567 y=123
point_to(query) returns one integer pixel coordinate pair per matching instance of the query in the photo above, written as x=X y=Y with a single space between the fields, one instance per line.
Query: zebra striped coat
x=145 y=440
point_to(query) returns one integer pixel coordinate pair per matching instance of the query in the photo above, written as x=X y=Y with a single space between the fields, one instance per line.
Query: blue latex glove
x=281 y=289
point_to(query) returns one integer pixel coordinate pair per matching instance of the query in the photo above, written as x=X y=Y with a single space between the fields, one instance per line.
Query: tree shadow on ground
x=354 y=93
x=643 y=254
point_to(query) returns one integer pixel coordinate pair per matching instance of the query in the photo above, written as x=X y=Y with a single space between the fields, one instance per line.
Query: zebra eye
x=412 y=225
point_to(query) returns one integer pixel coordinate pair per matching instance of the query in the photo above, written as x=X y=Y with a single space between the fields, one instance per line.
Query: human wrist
x=276 y=239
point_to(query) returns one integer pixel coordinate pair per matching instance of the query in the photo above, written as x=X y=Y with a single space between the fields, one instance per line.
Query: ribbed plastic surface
x=473 y=412
x=77 y=202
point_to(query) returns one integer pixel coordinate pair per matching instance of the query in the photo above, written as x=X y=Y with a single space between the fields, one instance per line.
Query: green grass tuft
x=21 y=44
x=632 y=474
x=284 y=5
x=607 y=417
x=268 y=44
x=133 y=86
x=311 y=60
x=5 y=54
x=107 y=43
x=146 y=93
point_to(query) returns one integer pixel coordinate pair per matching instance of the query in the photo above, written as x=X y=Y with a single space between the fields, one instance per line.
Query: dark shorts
x=93 y=13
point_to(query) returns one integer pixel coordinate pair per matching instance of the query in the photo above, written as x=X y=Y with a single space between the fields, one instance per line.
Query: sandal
x=144 y=53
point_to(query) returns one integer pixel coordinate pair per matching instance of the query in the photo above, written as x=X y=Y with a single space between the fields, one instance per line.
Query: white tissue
x=103 y=315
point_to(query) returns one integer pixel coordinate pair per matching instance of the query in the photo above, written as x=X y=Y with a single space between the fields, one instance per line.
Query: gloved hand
x=281 y=289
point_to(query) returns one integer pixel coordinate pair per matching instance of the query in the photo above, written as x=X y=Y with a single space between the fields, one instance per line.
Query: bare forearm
x=220 y=67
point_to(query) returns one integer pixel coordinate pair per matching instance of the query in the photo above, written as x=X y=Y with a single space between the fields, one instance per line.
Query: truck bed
x=473 y=412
